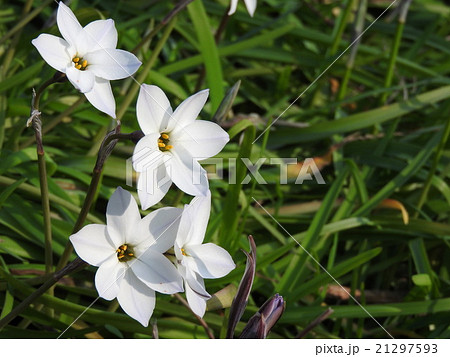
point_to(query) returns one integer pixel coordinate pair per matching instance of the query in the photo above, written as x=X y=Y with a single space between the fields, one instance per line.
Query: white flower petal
x=211 y=261
x=117 y=238
x=152 y=186
x=81 y=80
x=101 y=97
x=189 y=110
x=194 y=280
x=54 y=51
x=109 y=276
x=196 y=302
x=102 y=33
x=157 y=272
x=202 y=139
x=136 y=299
x=233 y=7
x=146 y=153
x=68 y=24
x=122 y=214
x=194 y=221
x=158 y=229
x=251 y=6
x=177 y=248
x=153 y=109
x=93 y=244
x=187 y=173
x=110 y=63
x=184 y=230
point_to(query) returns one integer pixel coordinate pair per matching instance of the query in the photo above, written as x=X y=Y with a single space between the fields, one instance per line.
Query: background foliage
x=377 y=122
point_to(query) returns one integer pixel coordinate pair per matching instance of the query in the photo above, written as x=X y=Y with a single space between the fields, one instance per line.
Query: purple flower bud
x=262 y=322
x=240 y=300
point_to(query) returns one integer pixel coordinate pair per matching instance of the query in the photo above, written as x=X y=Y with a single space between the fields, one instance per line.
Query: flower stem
x=437 y=158
x=35 y=120
x=76 y=264
x=90 y=195
x=322 y=317
x=104 y=152
x=177 y=199
x=180 y=6
x=146 y=69
x=358 y=28
x=340 y=27
x=404 y=6
x=200 y=320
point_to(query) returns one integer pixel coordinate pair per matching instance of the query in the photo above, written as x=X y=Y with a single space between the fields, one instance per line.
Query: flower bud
x=262 y=322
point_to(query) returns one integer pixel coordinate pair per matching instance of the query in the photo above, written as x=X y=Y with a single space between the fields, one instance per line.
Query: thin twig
x=200 y=320
x=316 y=322
x=180 y=6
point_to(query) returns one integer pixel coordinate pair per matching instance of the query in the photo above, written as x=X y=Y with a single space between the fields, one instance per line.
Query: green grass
x=381 y=111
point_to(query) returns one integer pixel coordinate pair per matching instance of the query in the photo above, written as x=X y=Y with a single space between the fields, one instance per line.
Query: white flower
x=196 y=260
x=173 y=144
x=250 y=4
x=88 y=56
x=129 y=253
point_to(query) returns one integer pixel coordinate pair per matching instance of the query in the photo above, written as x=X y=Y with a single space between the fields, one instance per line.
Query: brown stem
x=316 y=322
x=200 y=320
x=104 y=152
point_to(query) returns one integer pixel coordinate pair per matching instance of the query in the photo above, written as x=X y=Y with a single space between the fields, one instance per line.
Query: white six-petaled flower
x=129 y=253
x=88 y=56
x=173 y=144
x=250 y=4
x=197 y=261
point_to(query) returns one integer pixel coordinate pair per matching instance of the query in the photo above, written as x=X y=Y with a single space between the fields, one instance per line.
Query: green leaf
x=357 y=121
x=337 y=271
x=208 y=49
x=28 y=73
x=421 y=279
x=291 y=277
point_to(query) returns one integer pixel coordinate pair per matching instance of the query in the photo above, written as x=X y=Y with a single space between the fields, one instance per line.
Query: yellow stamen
x=163 y=142
x=76 y=59
x=84 y=64
x=78 y=66
x=183 y=252
x=125 y=253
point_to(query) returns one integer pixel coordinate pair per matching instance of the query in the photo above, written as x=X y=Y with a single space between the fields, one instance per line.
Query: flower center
x=125 y=253
x=163 y=142
x=183 y=251
x=79 y=63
